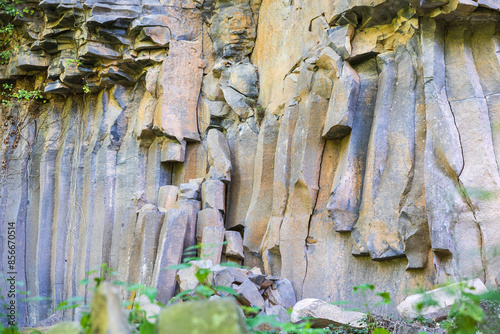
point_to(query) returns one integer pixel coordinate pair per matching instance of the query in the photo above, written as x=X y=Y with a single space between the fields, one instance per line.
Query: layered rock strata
x=333 y=143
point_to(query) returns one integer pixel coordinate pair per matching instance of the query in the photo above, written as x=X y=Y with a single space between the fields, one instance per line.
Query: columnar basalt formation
x=335 y=143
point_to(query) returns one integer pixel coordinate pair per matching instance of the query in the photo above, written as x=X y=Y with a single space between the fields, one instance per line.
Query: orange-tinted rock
x=212 y=242
x=261 y=202
x=170 y=249
x=179 y=86
x=205 y=218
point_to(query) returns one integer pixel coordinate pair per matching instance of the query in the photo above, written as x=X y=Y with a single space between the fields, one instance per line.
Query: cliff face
x=349 y=141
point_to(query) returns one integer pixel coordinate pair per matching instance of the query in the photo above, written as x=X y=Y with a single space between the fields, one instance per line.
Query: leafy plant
x=13 y=8
x=73 y=61
x=370 y=321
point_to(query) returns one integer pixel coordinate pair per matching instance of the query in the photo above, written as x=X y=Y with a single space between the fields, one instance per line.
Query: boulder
x=186 y=277
x=228 y=276
x=249 y=294
x=152 y=309
x=445 y=297
x=286 y=292
x=220 y=316
x=260 y=280
x=323 y=314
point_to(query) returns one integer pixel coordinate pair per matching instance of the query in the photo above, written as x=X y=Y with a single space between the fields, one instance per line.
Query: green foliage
x=105 y=273
x=86 y=323
x=466 y=316
x=4 y=57
x=69 y=303
x=19 y=96
x=386 y=299
x=14 y=8
x=257 y=108
x=73 y=61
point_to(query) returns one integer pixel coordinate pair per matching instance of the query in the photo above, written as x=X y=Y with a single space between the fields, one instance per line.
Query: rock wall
x=348 y=141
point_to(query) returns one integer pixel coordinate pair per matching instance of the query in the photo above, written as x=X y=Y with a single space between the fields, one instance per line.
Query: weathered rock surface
x=445 y=297
x=234 y=246
x=322 y=314
x=343 y=138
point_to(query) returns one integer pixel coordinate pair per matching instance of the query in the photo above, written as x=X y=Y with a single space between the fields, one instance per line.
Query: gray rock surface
x=322 y=314
x=340 y=138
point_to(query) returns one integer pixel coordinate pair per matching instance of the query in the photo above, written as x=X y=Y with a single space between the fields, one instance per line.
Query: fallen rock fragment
x=186 y=277
x=445 y=297
x=286 y=292
x=228 y=276
x=322 y=314
x=249 y=294
x=152 y=309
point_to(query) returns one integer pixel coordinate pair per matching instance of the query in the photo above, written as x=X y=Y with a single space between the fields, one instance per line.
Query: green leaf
x=386 y=298
x=204 y=291
x=380 y=330
x=36 y=299
x=134 y=287
x=363 y=288
x=178 y=266
x=150 y=293
x=147 y=328
x=233 y=265
x=66 y=306
x=190 y=248
x=202 y=274
x=226 y=289
x=180 y=295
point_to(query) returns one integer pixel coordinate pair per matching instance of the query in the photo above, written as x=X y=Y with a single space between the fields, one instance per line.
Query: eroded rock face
x=333 y=143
